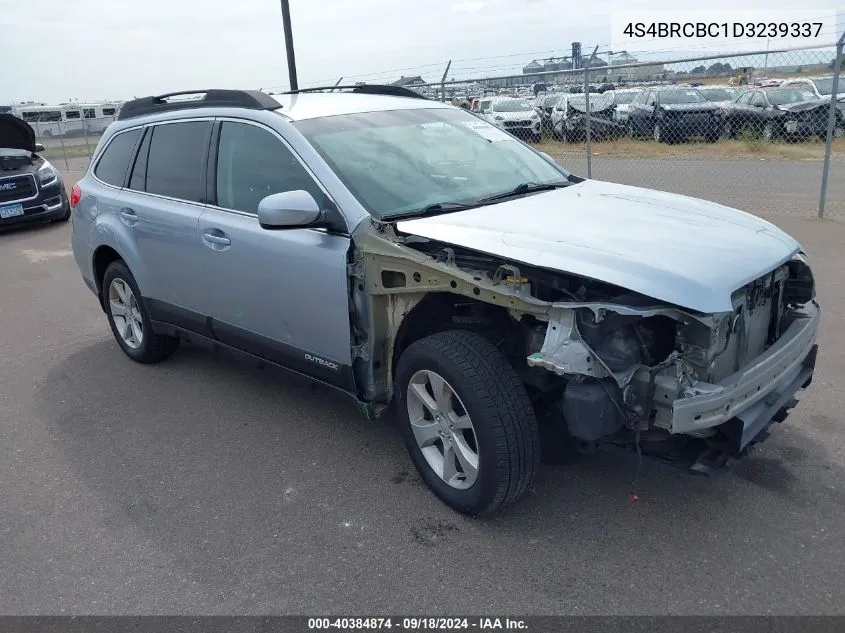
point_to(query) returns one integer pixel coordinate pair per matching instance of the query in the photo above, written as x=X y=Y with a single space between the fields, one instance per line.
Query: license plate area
x=11 y=211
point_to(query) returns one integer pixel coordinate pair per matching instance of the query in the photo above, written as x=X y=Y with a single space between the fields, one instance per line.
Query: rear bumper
x=752 y=397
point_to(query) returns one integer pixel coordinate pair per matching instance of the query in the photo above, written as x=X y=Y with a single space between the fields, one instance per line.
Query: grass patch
x=752 y=140
x=740 y=147
x=73 y=151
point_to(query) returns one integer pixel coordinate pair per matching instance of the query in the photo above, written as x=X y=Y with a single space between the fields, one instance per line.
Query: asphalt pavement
x=204 y=486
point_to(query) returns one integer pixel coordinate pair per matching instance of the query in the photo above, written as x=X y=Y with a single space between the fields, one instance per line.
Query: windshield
x=401 y=161
x=785 y=96
x=718 y=94
x=551 y=100
x=669 y=97
x=624 y=97
x=825 y=85
x=511 y=105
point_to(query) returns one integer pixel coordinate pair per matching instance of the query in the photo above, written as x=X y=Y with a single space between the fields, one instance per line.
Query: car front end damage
x=608 y=366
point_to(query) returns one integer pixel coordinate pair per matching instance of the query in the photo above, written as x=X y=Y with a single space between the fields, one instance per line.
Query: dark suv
x=31 y=189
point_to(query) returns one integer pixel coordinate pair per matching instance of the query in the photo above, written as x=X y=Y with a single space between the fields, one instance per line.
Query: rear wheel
x=129 y=321
x=467 y=421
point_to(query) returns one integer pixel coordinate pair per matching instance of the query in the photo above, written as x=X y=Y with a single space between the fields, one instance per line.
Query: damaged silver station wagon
x=407 y=252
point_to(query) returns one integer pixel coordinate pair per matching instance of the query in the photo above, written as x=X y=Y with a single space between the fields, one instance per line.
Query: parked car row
x=794 y=110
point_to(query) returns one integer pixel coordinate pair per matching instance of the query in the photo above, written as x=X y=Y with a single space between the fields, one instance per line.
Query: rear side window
x=176 y=160
x=138 y=179
x=252 y=163
x=112 y=166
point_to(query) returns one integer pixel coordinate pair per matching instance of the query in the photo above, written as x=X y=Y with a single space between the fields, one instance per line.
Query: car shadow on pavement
x=228 y=467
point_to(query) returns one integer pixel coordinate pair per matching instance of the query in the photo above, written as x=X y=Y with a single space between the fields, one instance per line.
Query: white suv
x=513 y=114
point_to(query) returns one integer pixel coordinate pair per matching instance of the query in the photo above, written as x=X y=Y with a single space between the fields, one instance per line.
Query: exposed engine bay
x=604 y=361
x=15 y=161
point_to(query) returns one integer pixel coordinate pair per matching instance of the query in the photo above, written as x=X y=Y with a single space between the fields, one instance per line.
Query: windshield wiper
x=524 y=188
x=434 y=209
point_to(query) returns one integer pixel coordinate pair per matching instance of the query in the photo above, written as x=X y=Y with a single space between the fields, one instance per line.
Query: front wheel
x=467 y=421
x=129 y=320
x=768 y=132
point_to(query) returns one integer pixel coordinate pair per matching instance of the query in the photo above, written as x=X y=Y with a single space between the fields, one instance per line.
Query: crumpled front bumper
x=752 y=397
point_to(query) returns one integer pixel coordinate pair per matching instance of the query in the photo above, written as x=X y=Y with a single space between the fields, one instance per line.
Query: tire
x=483 y=389
x=152 y=347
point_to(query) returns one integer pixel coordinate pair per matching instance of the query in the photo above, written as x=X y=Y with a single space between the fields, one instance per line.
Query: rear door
x=162 y=206
x=278 y=294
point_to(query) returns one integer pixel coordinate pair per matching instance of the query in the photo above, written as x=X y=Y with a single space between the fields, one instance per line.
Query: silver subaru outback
x=405 y=251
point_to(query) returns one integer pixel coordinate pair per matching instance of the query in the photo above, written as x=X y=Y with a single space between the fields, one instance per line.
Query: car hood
x=801 y=106
x=16 y=133
x=681 y=250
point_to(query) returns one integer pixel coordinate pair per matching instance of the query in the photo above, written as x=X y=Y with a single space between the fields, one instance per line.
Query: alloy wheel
x=443 y=429
x=125 y=313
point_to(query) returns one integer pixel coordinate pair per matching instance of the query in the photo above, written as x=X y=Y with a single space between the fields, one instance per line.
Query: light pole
x=294 y=84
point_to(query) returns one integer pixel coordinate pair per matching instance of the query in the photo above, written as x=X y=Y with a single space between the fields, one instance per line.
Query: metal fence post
x=587 y=108
x=831 y=122
x=62 y=141
x=443 y=82
x=85 y=133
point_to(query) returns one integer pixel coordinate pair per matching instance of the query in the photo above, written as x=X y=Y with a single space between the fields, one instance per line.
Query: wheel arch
x=103 y=256
x=441 y=311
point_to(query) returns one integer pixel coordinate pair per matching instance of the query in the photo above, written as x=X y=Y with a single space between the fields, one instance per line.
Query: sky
x=97 y=50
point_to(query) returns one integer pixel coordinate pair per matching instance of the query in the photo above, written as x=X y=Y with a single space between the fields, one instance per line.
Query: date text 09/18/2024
x=416 y=623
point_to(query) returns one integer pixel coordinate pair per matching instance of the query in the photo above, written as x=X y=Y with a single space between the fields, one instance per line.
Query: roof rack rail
x=370 y=89
x=213 y=98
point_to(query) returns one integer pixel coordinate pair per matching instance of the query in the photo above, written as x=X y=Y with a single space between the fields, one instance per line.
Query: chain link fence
x=69 y=143
x=748 y=130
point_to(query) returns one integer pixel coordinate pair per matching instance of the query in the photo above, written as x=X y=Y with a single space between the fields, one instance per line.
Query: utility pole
x=587 y=108
x=294 y=84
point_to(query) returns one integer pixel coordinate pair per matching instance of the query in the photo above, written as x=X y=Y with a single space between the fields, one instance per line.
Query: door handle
x=129 y=216
x=216 y=238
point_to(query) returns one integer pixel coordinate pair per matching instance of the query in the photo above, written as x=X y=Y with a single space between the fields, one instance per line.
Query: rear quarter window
x=113 y=164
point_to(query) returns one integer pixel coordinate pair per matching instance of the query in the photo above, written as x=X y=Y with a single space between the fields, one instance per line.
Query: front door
x=278 y=294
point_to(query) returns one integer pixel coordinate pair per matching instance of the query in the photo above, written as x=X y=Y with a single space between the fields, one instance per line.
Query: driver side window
x=758 y=100
x=253 y=163
x=485 y=107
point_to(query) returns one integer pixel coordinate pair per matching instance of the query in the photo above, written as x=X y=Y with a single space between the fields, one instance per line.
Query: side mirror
x=288 y=210
x=39 y=148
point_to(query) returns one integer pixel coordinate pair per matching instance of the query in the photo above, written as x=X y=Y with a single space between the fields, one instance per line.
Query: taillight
x=75 y=195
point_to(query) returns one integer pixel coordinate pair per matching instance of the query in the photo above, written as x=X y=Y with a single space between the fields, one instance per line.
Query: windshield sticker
x=488 y=131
